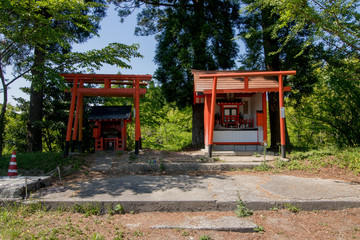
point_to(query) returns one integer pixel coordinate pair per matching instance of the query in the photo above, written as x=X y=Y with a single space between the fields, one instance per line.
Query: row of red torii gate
x=235 y=108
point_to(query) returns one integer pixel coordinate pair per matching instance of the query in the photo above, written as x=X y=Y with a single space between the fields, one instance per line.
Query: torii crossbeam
x=106 y=82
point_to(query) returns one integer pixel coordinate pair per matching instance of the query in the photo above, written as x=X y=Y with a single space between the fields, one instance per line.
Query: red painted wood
x=264 y=107
x=249 y=74
x=212 y=112
x=237 y=143
x=281 y=104
x=250 y=90
x=72 y=107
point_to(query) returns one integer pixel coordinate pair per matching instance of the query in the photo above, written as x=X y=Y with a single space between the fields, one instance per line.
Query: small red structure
x=109 y=128
x=235 y=107
x=103 y=85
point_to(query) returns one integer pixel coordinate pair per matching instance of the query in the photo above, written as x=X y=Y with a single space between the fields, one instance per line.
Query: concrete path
x=206 y=193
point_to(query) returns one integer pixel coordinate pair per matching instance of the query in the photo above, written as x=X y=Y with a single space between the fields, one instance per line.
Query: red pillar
x=264 y=107
x=137 y=115
x=71 y=115
x=282 y=116
x=206 y=118
x=77 y=113
x=212 y=116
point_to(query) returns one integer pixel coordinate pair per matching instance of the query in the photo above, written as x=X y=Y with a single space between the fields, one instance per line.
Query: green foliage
x=205 y=237
x=262 y=167
x=188 y=37
x=38 y=163
x=259 y=229
x=87 y=209
x=163 y=125
x=336 y=23
x=241 y=210
x=291 y=208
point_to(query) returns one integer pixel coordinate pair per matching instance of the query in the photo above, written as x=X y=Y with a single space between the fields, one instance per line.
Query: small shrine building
x=102 y=85
x=235 y=108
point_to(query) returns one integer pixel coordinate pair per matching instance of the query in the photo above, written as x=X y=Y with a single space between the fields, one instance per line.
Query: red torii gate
x=213 y=91
x=78 y=92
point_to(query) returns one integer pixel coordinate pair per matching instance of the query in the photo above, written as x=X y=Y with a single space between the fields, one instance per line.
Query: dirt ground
x=278 y=224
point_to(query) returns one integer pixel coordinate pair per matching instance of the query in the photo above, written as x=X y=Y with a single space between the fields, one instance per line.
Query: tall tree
x=191 y=34
x=265 y=50
x=30 y=29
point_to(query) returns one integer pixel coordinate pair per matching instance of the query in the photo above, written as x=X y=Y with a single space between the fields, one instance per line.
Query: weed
x=132 y=157
x=274 y=208
x=356 y=229
x=119 y=235
x=205 y=237
x=138 y=233
x=256 y=154
x=291 y=208
x=185 y=234
x=262 y=167
x=241 y=210
x=216 y=159
x=97 y=236
x=279 y=163
x=118 y=208
x=161 y=167
x=87 y=209
x=259 y=229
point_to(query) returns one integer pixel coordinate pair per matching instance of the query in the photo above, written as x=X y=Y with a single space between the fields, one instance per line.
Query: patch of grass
x=241 y=210
x=205 y=237
x=291 y=208
x=39 y=163
x=132 y=157
x=274 y=208
x=185 y=234
x=97 y=236
x=138 y=233
x=259 y=229
x=87 y=209
x=263 y=167
x=161 y=167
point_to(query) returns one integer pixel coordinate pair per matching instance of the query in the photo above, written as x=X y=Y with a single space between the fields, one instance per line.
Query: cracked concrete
x=208 y=193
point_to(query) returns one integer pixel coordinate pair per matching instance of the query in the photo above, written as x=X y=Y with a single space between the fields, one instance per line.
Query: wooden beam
x=249 y=74
x=110 y=92
x=250 y=90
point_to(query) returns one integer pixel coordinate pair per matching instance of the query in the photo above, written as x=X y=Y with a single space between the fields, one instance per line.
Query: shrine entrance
x=102 y=85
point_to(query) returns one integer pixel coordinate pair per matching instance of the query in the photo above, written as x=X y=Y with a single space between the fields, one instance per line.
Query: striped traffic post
x=13 y=166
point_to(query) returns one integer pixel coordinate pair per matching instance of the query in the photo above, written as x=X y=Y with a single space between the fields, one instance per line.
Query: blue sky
x=112 y=30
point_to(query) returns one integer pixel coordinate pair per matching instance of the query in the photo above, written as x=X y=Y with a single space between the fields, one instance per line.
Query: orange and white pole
x=12 y=172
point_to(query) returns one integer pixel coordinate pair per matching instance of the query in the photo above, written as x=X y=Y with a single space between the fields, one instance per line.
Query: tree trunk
x=198 y=125
x=272 y=63
x=36 y=102
x=2 y=119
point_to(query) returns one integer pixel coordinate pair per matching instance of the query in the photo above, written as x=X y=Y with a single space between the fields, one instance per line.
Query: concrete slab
x=14 y=187
x=207 y=193
x=227 y=223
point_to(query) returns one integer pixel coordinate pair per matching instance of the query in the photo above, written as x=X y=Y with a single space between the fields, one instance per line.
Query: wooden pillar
x=207 y=101
x=264 y=108
x=71 y=115
x=81 y=119
x=212 y=116
x=137 y=115
x=282 y=116
x=77 y=116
